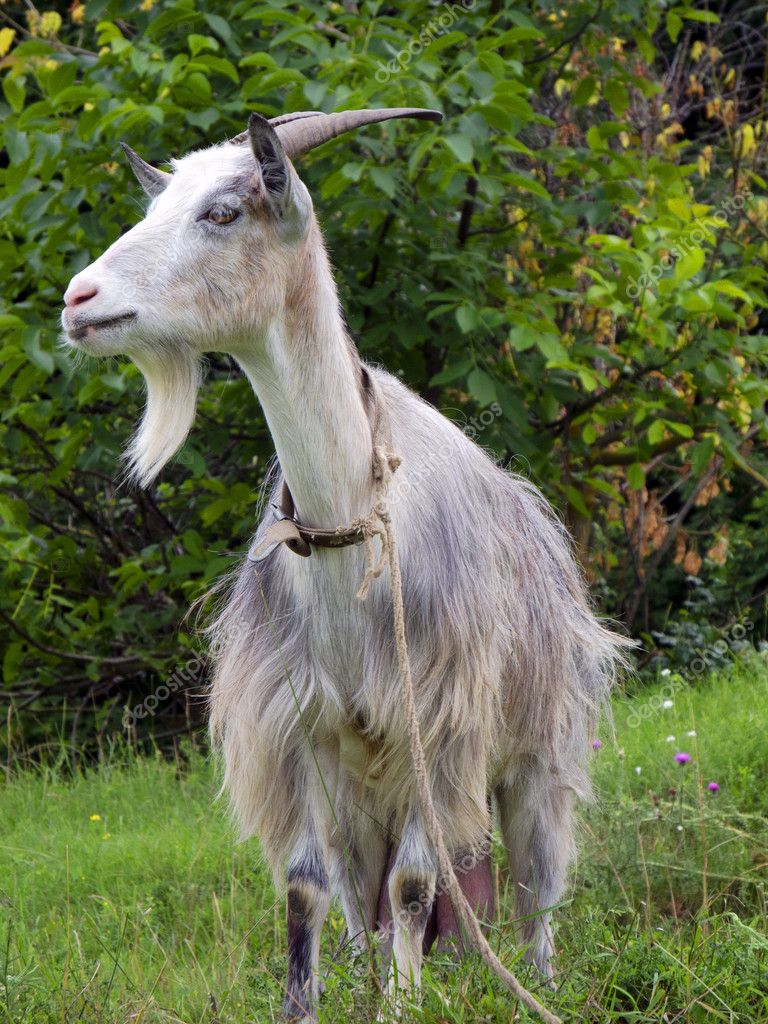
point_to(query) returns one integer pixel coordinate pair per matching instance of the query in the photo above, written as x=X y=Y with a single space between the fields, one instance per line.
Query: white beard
x=173 y=379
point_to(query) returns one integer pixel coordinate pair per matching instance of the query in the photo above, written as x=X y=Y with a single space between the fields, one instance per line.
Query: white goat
x=510 y=665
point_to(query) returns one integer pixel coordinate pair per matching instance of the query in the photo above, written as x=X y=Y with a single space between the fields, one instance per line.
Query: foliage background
x=582 y=241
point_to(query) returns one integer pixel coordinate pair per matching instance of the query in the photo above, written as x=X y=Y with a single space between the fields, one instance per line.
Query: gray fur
x=510 y=666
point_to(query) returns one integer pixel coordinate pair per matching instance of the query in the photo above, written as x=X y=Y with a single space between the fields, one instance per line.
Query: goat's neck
x=307 y=377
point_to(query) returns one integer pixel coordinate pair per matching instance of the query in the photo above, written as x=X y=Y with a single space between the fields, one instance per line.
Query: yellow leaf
x=745 y=140
x=50 y=23
x=7 y=35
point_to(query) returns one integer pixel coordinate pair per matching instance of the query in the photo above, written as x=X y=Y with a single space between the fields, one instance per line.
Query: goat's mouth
x=82 y=330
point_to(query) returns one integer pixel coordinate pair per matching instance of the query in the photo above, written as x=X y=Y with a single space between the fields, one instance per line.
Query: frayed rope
x=378 y=523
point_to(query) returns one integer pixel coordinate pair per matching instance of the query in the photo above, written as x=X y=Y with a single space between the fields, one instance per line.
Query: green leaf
x=585 y=90
x=551 y=347
x=680 y=207
x=674 y=25
x=481 y=386
x=14 y=91
x=636 y=476
x=589 y=433
x=576 y=500
x=384 y=178
x=521 y=181
x=689 y=264
x=656 y=431
x=522 y=337
x=460 y=146
x=617 y=95
x=683 y=429
x=467 y=319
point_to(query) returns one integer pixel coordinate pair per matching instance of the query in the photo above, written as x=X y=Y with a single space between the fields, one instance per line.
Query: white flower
x=668 y=704
x=670 y=739
x=665 y=672
x=691 y=733
x=638 y=769
x=678 y=828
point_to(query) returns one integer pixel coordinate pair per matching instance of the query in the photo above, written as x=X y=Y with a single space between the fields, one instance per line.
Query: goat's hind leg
x=536 y=812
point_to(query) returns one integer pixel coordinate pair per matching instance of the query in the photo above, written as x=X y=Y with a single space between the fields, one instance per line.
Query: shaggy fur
x=510 y=665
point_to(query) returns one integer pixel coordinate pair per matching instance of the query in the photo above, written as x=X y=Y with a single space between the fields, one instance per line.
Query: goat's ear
x=271 y=158
x=151 y=180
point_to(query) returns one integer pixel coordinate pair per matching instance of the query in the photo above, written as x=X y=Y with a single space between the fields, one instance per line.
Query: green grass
x=124 y=896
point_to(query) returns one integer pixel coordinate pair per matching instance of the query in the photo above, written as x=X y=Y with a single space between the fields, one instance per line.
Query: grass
x=124 y=897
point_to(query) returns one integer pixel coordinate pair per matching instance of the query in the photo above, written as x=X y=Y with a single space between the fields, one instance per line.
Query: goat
x=510 y=665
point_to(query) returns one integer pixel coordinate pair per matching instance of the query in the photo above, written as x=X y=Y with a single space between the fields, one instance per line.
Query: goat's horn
x=151 y=180
x=303 y=130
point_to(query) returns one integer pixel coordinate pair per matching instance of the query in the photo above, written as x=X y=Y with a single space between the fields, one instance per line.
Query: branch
x=574 y=38
x=66 y=654
x=626 y=456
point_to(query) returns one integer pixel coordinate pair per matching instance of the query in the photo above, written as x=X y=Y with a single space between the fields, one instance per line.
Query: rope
x=379 y=523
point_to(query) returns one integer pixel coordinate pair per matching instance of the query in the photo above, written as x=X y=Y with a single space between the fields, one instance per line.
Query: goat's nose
x=80 y=293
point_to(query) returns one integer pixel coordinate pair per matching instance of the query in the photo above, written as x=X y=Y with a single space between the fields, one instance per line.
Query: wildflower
x=668 y=704
x=682 y=758
x=678 y=828
x=596 y=744
x=95 y=817
x=666 y=672
x=713 y=787
x=670 y=739
x=77 y=13
x=691 y=733
x=638 y=769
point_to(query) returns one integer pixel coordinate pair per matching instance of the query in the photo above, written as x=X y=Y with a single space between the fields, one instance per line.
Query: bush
x=581 y=245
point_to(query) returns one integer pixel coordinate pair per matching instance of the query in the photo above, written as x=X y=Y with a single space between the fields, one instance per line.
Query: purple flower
x=713 y=787
x=682 y=757
x=596 y=744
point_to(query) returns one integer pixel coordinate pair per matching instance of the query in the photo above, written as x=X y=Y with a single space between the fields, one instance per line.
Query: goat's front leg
x=411 y=888
x=309 y=894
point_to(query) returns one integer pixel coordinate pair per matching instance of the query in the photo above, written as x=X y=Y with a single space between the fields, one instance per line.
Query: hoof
x=298 y=1010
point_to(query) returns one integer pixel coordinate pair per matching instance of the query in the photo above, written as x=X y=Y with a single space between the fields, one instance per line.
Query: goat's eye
x=222 y=215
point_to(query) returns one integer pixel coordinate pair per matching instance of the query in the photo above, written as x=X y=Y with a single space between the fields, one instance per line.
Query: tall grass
x=124 y=896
